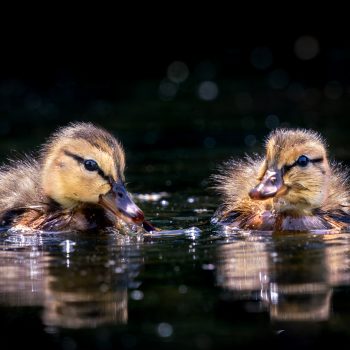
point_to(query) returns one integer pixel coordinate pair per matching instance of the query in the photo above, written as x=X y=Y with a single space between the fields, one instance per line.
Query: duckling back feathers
x=20 y=185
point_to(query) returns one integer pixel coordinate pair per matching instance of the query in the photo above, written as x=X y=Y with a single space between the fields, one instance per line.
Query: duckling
x=75 y=183
x=293 y=188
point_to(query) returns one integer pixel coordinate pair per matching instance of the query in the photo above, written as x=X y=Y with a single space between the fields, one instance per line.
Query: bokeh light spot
x=306 y=47
x=250 y=140
x=272 y=121
x=178 y=72
x=136 y=295
x=164 y=330
x=167 y=90
x=208 y=91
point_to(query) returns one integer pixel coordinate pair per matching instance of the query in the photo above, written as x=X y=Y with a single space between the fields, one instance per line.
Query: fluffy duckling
x=293 y=188
x=75 y=183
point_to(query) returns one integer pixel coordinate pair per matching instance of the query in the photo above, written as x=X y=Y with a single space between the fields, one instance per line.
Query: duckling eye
x=303 y=161
x=90 y=165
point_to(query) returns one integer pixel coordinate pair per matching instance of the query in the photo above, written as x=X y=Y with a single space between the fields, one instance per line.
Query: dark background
x=257 y=81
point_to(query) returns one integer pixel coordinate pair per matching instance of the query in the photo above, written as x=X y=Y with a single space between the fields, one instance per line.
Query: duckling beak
x=270 y=186
x=119 y=202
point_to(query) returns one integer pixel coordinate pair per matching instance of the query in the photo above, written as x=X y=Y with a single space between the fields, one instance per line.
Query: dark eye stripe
x=103 y=175
x=74 y=156
x=81 y=160
x=316 y=160
x=286 y=168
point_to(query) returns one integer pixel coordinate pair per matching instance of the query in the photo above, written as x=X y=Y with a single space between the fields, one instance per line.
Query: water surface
x=194 y=286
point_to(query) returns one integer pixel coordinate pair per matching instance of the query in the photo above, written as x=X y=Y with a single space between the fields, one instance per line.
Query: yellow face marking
x=307 y=186
x=68 y=182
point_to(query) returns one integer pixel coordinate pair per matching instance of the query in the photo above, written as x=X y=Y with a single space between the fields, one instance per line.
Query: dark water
x=196 y=286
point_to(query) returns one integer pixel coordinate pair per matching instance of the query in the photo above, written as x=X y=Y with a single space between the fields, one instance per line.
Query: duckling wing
x=225 y=216
x=19 y=186
x=56 y=221
x=340 y=217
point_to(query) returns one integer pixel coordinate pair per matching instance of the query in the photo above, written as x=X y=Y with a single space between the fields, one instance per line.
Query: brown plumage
x=75 y=183
x=292 y=188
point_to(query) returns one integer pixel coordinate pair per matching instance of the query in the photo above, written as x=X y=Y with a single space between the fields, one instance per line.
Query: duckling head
x=295 y=172
x=84 y=164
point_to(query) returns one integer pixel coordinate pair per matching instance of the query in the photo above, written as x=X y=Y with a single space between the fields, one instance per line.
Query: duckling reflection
x=85 y=292
x=21 y=281
x=291 y=287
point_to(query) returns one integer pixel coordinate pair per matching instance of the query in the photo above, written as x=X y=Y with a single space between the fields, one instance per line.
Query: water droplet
x=67 y=246
x=193 y=229
x=119 y=270
x=151 y=197
x=193 y=232
x=214 y=220
x=208 y=267
x=200 y=210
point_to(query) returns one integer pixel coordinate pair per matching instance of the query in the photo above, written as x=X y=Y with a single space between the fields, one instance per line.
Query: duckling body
x=292 y=188
x=75 y=183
